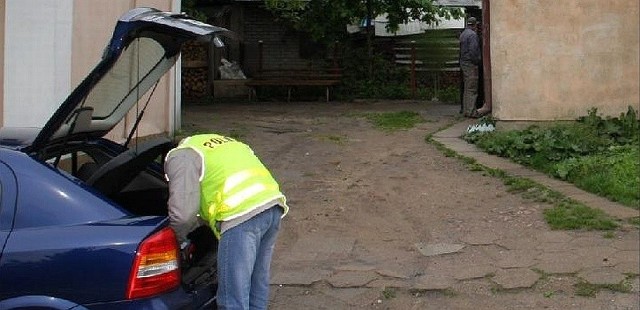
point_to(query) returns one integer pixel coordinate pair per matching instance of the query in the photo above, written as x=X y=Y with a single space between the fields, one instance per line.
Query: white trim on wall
x=175 y=110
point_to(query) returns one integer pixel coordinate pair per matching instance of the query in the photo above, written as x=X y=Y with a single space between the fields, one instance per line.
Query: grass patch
x=395 y=120
x=599 y=155
x=448 y=292
x=586 y=289
x=388 y=293
x=568 y=215
x=340 y=140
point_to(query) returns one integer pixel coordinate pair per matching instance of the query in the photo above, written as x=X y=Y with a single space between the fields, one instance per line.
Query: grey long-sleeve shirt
x=183 y=168
x=469 y=47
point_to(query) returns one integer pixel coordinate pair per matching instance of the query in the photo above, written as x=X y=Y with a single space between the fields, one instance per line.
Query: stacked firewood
x=195 y=62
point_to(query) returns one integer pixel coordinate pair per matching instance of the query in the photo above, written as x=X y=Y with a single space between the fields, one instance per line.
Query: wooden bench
x=294 y=78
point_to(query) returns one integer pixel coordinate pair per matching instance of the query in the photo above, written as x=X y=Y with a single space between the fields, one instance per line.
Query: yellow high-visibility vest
x=233 y=181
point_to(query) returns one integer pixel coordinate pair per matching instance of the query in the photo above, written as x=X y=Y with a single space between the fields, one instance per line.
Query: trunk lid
x=145 y=45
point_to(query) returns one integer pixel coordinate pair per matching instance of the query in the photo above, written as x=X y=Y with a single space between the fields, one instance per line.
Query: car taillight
x=156 y=268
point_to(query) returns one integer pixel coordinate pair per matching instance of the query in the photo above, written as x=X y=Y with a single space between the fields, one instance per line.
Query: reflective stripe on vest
x=236 y=179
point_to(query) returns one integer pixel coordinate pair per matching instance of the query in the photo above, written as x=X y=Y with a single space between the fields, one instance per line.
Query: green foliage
x=189 y=7
x=601 y=173
x=597 y=154
x=450 y=94
x=395 y=120
x=335 y=14
x=388 y=82
x=366 y=75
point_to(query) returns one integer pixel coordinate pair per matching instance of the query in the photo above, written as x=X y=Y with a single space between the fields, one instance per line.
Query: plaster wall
x=2 y=26
x=555 y=60
x=37 y=49
x=50 y=46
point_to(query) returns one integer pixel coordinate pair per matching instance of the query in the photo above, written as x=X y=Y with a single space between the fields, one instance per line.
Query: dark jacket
x=469 y=47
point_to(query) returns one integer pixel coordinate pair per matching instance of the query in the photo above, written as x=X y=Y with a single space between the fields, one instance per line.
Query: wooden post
x=335 y=57
x=486 y=55
x=212 y=63
x=260 y=51
x=413 y=69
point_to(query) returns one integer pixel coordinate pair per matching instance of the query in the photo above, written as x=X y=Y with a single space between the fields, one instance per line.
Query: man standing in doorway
x=469 y=62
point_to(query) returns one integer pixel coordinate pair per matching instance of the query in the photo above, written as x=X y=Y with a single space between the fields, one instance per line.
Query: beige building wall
x=2 y=15
x=554 y=60
x=91 y=23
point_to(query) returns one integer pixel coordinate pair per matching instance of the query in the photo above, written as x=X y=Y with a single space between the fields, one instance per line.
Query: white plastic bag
x=230 y=71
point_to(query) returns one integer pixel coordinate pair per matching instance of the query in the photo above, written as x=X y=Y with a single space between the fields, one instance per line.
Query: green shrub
x=597 y=154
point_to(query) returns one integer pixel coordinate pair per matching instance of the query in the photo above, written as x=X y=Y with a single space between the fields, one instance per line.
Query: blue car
x=83 y=220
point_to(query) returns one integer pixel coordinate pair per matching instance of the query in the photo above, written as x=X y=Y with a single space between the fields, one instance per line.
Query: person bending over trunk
x=221 y=181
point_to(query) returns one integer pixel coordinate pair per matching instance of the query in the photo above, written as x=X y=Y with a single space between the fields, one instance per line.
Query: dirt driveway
x=384 y=220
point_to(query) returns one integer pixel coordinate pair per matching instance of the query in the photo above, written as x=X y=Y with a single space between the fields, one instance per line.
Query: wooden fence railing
x=433 y=52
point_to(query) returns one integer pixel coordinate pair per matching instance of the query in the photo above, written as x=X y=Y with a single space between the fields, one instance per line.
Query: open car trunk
x=134 y=179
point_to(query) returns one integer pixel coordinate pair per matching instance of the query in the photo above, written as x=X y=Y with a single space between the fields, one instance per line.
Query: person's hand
x=187 y=249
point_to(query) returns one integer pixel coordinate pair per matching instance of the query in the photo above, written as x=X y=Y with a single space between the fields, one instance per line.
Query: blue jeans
x=244 y=259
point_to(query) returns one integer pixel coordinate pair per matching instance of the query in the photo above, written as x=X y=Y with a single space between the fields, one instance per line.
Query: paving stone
x=518 y=243
x=392 y=274
x=480 y=237
x=308 y=248
x=516 y=278
x=635 y=285
x=355 y=267
x=433 y=249
x=552 y=247
x=602 y=276
x=559 y=262
x=473 y=272
x=600 y=256
x=626 y=256
x=628 y=268
x=630 y=245
x=433 y=282
x=588 y=241
x=516 y=258
x=357 y=295
x=382 y=283
x=344 y=279
x=305 y=276
x=554 y=237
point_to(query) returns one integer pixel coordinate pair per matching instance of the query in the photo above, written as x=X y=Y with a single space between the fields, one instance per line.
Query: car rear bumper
x=178 y=299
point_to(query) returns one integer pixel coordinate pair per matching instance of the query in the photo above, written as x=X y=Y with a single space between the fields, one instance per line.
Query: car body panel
x=66 y=260
x=60 y=199
x=8 y=191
